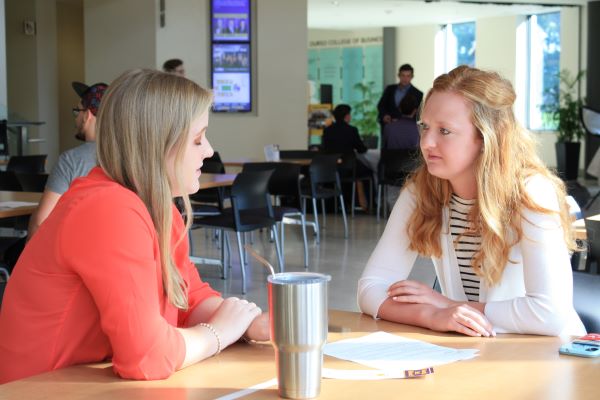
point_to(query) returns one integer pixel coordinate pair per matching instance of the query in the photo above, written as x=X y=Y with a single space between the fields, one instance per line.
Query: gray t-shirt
x=72 y=164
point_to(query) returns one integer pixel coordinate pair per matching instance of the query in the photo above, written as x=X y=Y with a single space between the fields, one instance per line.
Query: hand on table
x=417 y=292
x=232 y=319
x=447 y=315
x=461 y=318
x=259 y=329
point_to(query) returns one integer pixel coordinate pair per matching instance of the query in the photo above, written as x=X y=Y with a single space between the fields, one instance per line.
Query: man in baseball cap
x=75 y=162
x=86 y=110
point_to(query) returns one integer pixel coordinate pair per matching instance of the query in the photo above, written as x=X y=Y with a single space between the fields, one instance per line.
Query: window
x=543 y=68
x=456 y=42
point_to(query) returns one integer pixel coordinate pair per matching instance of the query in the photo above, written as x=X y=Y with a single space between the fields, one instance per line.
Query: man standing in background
x=389 y=104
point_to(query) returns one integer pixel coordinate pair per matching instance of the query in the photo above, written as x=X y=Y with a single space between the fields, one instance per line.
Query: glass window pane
x=465 y=43
x=544 y=67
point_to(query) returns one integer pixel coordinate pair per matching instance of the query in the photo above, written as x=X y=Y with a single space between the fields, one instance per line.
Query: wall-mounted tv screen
x=231 y=20
x=231 y=77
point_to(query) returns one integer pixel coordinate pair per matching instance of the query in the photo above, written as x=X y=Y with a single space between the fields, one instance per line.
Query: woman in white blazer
x=491 y=216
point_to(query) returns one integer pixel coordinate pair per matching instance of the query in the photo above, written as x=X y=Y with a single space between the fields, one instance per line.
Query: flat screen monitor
x=231 y=77
x=230 y=20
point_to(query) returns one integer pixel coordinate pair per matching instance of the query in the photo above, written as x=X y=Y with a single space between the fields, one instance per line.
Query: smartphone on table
x=585 y=346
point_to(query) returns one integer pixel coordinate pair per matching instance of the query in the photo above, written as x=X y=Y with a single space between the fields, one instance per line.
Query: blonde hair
x=146 y=115
x=508 y=158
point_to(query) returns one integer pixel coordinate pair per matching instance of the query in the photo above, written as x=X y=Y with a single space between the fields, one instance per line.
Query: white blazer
x=534 y=294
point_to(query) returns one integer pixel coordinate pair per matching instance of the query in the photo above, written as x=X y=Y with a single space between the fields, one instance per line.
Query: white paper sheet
x=387 y=352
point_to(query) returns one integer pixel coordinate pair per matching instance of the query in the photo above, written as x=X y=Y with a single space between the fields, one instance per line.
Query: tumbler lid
x=298 y=278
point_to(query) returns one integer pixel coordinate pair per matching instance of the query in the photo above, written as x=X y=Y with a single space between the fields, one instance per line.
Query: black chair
x=297 y=154
x=394 y=167
x=324 y=183
x=351 y=173
x=27 y=164
x=285 y=186
x=4 y=151
x=212 y=196
x=250 y=210
x=32 y=182
x=592 y=229
x=586 y=289
x=10 y=182
x=209 y=202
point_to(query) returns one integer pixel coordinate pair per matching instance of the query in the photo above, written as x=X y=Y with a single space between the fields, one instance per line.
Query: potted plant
x=364 y=114
x=565 y=112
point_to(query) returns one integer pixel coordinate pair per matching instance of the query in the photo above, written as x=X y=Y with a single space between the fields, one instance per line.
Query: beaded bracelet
x=214 y=332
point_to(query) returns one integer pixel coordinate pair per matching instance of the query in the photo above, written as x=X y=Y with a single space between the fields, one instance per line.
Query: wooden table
x=31 y=197
x=579 y=226
x=508 y=367
x=208 y=181
x=239 y=162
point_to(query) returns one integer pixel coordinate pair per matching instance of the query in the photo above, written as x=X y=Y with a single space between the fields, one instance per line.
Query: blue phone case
x=580 y=349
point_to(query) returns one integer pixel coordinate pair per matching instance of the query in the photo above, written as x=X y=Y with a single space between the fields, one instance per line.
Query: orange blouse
x=88 y=287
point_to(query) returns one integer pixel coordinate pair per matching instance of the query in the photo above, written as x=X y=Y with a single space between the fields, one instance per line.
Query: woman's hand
x=460 y=318
x=419 y=293
x=259 y=329
x=232 y=319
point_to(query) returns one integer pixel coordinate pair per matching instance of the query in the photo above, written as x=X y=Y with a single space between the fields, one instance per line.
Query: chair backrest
x=32 y=182
x=592 y=229
x=585 y=299
x=250 y=192
x=283 y=154
x=323 y=169
x=29 y=164
x=396 y=164
x=3 y=138
x=285 y=180
x=213 y=165
x=591 y=120
x=9 y=181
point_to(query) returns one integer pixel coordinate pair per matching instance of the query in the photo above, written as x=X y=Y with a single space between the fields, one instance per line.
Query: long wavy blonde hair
x=508 y=158
x=146 y=115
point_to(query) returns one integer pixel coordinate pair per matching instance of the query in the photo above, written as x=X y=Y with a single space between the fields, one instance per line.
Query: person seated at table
x=491 y=216
x=77 y=161
x=108 y=274
x=343 y=138
x=403 y=132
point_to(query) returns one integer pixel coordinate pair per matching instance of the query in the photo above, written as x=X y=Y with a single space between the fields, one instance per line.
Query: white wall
x=280 y=68
x=47 y=78
x=416 y=46
x=496 y=45
x=32 y=71
x=69 y=22
x=119 y=35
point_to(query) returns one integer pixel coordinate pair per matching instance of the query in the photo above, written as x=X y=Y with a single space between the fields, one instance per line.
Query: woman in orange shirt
x=108 y=276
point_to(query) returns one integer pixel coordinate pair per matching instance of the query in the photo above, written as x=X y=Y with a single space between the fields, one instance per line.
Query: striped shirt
x=465 y=245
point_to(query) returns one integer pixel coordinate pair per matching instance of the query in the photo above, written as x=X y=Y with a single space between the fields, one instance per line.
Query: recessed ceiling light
x=335 y=3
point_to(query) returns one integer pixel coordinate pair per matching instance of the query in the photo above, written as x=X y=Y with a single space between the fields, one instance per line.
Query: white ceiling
x=361 y=14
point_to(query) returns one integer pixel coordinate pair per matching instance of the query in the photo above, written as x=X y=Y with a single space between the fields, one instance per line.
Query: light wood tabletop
x=29 y=197
x=508 y=367
x=208 y=181
x=579 y=226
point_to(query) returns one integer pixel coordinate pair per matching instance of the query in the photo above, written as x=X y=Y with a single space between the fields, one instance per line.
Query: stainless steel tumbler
x=298 y=315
